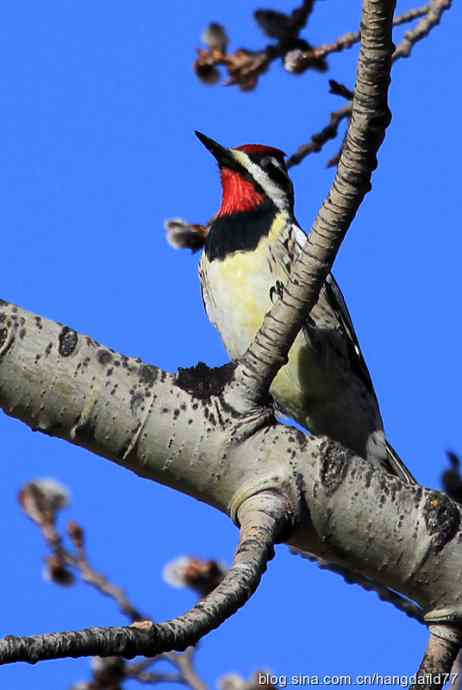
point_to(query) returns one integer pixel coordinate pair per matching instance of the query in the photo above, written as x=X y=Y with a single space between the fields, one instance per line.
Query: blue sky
x=98 y=108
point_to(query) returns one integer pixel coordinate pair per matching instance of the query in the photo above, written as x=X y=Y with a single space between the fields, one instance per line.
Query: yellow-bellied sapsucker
x=248 y=252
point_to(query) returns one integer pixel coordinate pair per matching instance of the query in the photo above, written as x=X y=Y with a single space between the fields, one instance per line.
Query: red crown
x=260 y=149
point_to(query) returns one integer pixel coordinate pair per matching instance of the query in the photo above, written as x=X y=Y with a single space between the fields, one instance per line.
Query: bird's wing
x=338 y=305
x=207 y=298
x=358 y=364
x=292 y=244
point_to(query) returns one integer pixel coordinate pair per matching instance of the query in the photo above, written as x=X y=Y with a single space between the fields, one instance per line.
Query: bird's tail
x=379 y=451
x=398 y=466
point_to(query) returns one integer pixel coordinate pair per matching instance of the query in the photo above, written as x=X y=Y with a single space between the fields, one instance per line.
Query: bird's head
x=251 y=175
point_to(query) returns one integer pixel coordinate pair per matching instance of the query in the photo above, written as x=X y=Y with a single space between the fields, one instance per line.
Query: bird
x=246 y=259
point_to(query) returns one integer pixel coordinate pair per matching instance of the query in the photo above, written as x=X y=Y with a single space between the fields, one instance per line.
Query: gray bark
x=210 y=434
x=195 y=432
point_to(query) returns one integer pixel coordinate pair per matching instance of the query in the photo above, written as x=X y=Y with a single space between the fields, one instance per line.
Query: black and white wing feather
x=289 y=247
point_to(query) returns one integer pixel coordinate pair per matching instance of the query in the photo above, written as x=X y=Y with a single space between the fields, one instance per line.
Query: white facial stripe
x=274 y=161
x=271 y=189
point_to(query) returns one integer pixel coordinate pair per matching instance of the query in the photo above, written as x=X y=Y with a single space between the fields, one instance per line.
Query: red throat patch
x=239 y=194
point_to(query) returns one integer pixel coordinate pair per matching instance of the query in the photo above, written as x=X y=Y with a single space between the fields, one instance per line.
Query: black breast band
x=239 y=232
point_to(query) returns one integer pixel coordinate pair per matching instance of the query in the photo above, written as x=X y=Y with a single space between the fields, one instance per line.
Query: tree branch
x=246 y=66
x=442 y=649
x=318 y=140
x=369 y=119
x=303 y=59
x=205 y=433
x=432 y=16
x=263 y=520
x=56 y=379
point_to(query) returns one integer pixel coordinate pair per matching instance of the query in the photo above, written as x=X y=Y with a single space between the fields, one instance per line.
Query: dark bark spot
x=48 y=348
x=297 y=437
x=3 y=336
x=135 y=401
x=38 y=322
x=220 y=419
x=203 y=382
x=148 y=374
x=381 y=120
x=103 y=357
x=2 y=317
x=442 y=518
x=68 y=340
x=334 y=463
x=22 y=333
x=86 y=432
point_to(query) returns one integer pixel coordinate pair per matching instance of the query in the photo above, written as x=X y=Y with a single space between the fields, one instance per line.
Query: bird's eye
x=266 y=162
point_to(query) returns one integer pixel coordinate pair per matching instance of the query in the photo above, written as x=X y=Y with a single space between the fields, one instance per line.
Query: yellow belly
x=318 y=387
x=237 y=299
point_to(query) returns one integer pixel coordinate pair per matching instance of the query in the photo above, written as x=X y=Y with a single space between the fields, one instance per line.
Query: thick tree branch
x=263 y=520
x=204 y=433
x=57 y=380
x=182 y=430
x=442 y=649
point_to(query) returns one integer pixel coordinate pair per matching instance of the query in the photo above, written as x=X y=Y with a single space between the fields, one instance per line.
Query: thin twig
x=339 y=89
x=151 y=677
x=432 y=16
x=262 y=519
x=318 y=140
x=246 y=66
x=435 y=11
x=97 y=580
x=40 y=505
x=305 y=58
x=299 y=18
x=186 y=666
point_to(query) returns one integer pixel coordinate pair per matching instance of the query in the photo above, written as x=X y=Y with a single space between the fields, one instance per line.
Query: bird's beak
x=220 y=153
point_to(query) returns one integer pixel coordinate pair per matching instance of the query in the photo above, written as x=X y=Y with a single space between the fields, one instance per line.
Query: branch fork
x=204 y=433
